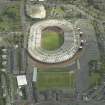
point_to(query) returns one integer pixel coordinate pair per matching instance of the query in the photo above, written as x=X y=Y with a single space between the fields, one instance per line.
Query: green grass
x=51 y=40
x=10 y=18
x=94 y=79
x=55 y=80
x=59 y=10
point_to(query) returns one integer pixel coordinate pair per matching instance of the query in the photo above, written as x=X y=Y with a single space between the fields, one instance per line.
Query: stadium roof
x=21 y=80
x=65 y=52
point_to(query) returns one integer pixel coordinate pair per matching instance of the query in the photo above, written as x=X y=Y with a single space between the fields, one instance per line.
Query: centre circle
x=52 y=38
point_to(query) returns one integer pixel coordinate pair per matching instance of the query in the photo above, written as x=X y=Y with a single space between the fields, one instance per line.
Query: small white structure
x=36 y=11
x=36 y=0
x=3 y=70
x=4 y=50
x=41 y=0
x=78 y=28
x=4 y=63
x=34 y=74
x=21 y=80
x=4 y=56
x=80 y=47
x=82 y=41
x=16 y=46
x=81 y=33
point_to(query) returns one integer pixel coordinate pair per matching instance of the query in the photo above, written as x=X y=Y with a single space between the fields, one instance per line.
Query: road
x=29 y=88
x=25 y=24
x=3 y=34
x=90 y=52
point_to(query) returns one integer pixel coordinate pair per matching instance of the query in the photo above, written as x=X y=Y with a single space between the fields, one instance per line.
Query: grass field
x=94 y=79
x=59 y=10
x=51 y=40
x=55 y=80
x=10 y=17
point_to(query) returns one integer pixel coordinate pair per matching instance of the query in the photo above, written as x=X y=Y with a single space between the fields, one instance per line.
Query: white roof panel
x=35 y=74
x=21 y=79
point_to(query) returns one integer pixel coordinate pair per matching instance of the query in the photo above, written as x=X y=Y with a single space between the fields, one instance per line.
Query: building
x=21 y=80
x=36 y=11
x=34 y=79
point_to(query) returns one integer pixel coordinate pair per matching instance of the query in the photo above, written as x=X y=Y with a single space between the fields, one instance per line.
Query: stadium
x=67 y=48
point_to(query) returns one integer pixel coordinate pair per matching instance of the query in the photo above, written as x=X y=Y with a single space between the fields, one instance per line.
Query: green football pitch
x=51 y=40
x=55 y=80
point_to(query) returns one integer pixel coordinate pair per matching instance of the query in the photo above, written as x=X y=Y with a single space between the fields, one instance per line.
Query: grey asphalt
x=91 y=52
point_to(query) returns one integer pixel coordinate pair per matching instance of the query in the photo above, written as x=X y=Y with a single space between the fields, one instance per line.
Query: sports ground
x=63 y=41
x=51 y=40
x=56 y=79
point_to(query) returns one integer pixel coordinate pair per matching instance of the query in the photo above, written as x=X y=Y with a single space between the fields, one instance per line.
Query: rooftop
x=21 y=80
